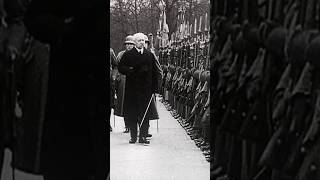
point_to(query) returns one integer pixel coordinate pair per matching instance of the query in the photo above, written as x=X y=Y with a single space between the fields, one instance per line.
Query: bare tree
x=131 y=16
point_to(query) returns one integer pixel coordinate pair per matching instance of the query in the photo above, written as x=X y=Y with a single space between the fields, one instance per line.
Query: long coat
x=141 y=83
x=120 y=89
x=19 y=131
x=113 y=65
x=74 y=137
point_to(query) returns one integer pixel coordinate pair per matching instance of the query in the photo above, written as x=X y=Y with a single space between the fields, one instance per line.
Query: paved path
x=171 y=154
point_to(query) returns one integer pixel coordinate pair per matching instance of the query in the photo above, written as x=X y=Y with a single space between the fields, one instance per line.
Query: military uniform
x=186 y=87
x=12 y=44
x=267 y=92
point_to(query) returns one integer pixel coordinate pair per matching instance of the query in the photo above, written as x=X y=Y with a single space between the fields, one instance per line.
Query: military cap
x=276 y=40
x=313 y=52
x=129 y=40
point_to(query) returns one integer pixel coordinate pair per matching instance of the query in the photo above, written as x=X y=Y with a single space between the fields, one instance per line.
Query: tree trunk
x=136 y=15
x=122 y=21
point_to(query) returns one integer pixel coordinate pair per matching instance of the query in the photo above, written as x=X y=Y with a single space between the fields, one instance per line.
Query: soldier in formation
x=265 y=90
x=185 y=85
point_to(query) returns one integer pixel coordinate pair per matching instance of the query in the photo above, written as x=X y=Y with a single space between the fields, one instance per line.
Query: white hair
x=139 y=36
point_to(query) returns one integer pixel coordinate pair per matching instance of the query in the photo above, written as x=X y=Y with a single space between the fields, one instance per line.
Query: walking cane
x=114 y=116
x=114 y=120
x=157 y=119
x=145 y=113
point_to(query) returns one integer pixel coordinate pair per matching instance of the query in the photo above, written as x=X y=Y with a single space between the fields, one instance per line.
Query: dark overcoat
x=113 y=65
x=120 y=89
x=141 y=83
x=74 y=137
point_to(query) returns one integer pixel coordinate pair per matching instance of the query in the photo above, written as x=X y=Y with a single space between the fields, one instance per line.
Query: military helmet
x=265 y=28
x=165 y=68
x=188 y=73
x=204 y=76
x=196 y=74
x=208 y=77
x=129 y=40
x=172 y=69
x=193 y=70
x=184 y=73
x=297 y=46
x=313 y=52
x=276 y=40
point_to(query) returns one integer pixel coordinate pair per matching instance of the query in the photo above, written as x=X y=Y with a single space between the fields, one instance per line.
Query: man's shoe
x=149 y=135
x=144 y=141
x=132 y=141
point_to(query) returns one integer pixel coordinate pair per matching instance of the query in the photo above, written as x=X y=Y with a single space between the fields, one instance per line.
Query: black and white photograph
x=159 y=90
x=265 y=87
x=160 y=79
x=54 y=90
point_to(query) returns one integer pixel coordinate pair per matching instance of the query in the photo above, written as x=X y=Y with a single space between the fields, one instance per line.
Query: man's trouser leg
x=143 y=131
x=132 y=123
x=125 y=122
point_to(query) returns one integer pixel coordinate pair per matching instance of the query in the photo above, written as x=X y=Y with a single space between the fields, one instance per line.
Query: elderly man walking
x=138 y=64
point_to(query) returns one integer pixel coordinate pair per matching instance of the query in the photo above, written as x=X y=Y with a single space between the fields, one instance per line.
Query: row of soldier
x=185 y=88
x=265 y=112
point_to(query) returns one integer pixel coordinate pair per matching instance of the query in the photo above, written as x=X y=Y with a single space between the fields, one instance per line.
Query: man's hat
x=129 y=40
